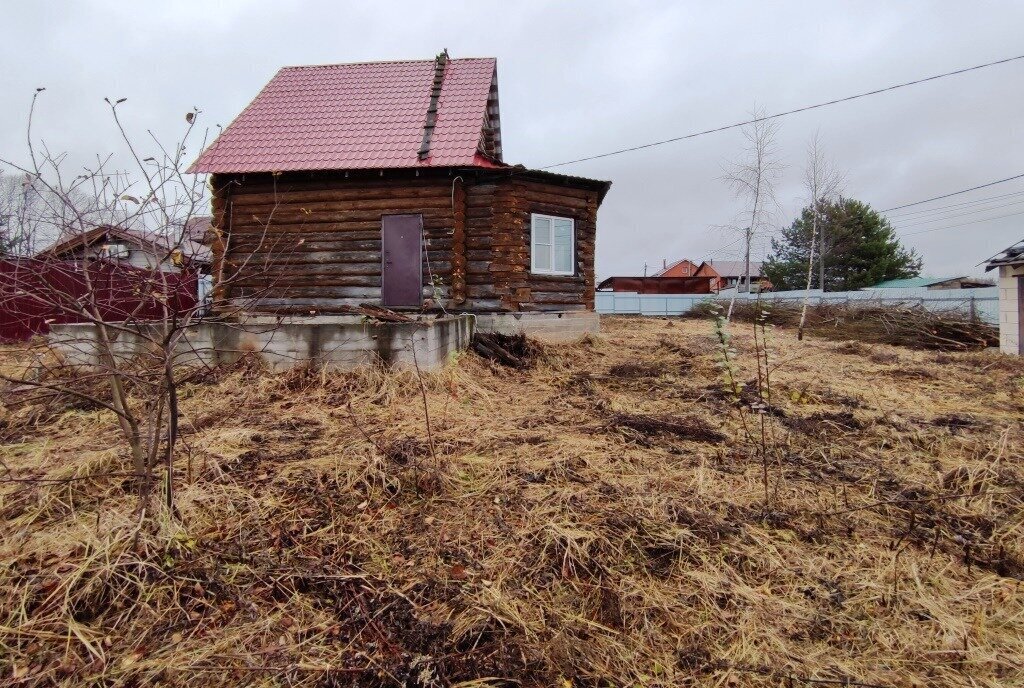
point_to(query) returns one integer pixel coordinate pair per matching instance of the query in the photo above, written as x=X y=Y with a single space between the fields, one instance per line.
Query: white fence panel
x=984 y=302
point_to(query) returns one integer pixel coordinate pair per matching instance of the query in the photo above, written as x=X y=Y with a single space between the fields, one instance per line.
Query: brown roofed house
x=135 y=248
x=730 y=274
x=385 y=183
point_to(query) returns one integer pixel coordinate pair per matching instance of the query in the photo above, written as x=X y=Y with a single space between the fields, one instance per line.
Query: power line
x=954 y=193
x=917 y=222
x=722 y=248
x=962 y=224
x=958 y=206
x=788 y=112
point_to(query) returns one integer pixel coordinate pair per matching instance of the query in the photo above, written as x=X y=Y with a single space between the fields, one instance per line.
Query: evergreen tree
x=861 y=249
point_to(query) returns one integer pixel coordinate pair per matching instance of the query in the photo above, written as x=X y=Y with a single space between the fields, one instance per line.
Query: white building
x=139 y=249
x=1011 y=297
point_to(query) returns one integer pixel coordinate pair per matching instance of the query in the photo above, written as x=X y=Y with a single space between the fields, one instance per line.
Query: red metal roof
x=358 y=116
x=667 y=271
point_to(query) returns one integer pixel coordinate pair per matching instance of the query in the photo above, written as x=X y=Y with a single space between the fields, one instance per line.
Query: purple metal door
x=402 y=256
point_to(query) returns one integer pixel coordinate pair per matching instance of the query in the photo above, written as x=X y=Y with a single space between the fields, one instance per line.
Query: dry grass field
x=615 y=515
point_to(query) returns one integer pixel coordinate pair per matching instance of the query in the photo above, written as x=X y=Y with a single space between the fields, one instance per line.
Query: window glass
x=541 y=243
x=563 y=245
x=551 y=245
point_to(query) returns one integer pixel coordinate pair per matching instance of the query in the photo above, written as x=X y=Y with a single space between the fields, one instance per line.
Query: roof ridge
x=325 y=65
x=671 y=265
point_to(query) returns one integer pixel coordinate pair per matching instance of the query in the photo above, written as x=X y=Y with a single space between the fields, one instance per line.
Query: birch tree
x=752 y=178
x=823 y=183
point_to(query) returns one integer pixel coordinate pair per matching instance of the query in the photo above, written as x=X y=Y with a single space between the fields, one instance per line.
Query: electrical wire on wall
x=426 y=253
x=472 y=315
x=430 y=274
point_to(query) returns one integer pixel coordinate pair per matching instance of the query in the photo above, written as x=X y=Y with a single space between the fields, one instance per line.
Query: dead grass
x=596 y=520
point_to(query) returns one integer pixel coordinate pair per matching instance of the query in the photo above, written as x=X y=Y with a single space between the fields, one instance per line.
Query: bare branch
x=752 y=179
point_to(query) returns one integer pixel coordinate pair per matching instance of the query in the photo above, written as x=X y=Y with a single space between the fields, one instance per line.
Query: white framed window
x=114 y=251
x=552 y=245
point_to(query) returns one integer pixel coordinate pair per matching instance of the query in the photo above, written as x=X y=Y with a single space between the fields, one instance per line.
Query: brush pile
x=602 y=517
x=910 y=326
x=511 y=350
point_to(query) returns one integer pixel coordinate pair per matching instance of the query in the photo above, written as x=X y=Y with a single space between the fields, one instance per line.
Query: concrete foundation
x=562 y=326
x=340 y=342
x=1011 y=309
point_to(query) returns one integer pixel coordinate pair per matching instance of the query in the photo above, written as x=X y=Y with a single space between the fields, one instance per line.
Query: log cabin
x=384 y=183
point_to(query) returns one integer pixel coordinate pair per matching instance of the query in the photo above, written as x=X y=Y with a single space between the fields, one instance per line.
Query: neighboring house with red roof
x=680 y=268
x=385 y=183
x=686 y=277
x=729 y=274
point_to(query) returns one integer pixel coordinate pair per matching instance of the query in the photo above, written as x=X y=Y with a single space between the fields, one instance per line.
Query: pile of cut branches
x=511 y=350
x=910 y=326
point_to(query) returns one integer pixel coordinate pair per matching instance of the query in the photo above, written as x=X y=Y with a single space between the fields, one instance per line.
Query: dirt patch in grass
x=632 y=371
x=825 y=422
x=689 y=428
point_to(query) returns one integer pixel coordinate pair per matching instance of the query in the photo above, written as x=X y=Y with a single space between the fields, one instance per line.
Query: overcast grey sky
x=580 y=78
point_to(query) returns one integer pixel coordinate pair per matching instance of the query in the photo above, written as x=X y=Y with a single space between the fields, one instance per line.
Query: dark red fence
x=35 y=293
x=658 y=285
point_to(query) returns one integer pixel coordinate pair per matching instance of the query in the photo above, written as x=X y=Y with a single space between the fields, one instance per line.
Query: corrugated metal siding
x=35 y=293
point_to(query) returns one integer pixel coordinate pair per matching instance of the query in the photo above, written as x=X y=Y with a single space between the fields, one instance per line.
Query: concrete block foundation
x=333 y=341
x=337 y=342
x=547 y=326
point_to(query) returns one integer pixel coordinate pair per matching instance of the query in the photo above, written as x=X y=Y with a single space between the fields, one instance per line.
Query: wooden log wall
x=516 y=286
x=481 y=214
x=458 y=271
x=313 y=244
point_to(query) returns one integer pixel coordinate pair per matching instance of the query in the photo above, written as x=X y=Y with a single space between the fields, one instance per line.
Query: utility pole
x=746 y=259
x=821 y=252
